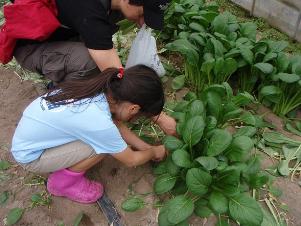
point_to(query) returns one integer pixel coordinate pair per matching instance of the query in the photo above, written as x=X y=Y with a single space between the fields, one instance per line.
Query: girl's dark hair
x=140 y=85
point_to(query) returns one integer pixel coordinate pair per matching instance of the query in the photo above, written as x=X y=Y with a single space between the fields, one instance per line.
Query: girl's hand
x=166 y=123
x=159 y=152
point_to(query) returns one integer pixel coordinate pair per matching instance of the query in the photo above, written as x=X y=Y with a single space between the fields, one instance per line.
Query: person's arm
x=130 y=137
x=105 y=58
x=135 y=158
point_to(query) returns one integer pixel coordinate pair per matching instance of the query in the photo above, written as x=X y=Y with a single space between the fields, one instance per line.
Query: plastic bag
x=144 y=51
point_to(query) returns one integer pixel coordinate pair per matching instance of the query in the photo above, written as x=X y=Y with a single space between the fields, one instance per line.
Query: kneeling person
x=74 y=127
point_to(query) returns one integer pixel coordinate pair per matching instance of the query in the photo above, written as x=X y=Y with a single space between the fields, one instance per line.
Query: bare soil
x=118 y=180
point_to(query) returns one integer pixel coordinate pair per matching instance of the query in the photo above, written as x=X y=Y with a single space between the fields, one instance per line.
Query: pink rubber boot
x=74 y=186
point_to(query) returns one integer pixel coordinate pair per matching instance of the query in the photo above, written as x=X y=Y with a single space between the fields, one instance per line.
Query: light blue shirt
x=46 y=125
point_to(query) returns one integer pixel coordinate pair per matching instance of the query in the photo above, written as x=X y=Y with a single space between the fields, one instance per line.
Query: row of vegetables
x=217 y=48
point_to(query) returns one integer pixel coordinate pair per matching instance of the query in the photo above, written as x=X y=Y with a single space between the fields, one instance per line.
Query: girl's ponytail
x=138 y=85
x=86 y=87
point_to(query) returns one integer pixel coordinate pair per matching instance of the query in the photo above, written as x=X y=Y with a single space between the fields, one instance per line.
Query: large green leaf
x=160 y=168
x=215 y=88
x=178 y=82
x=228 y=90
x=198 y=181
x=282 y=62
x=209 y=15
x=230 y=66
x=248 y=30
x=243 y=99
x=270 y=56
x=183 y=35
x=296 y=68
x=227 y=182
x=196 y=108
x=214 y=104
x=132 y=204
x=232 y=114
x=243 y=42
x=218 y=202
x=163 y=218
x=193 y=130
x=269 y=220
x=190 y=96
x=232 y=37
x=245 y=210
x=277 y=46
x=180 y=208
x=292 y=129
x=207 y=66
x=196 y=37
x=288 y=78
x=202 y=211
x=264 y=67
x=220 y=25
x=219 y=142
x=219 y=65
x=232 y=53
x=180 y=187
x=270 y=90
x=178 y=116
x=181 y=106
x=211 y=123
x=172 y=143
x=279 y=138
x=247 y=54
x=253 y=165
x=239 y=147
x=248 y=131
x=14 y=215
x=171 y=167
x=180 y=127
x=283 y=168
x=209 y=163
x=179 y=8
x=181 y=158
x=164 y=183
x=197 y=27
x=219 y=48
x=248 y=118
x=257 y=180
x=260 y=47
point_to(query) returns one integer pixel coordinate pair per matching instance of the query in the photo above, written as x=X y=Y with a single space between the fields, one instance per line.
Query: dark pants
x=57 y=61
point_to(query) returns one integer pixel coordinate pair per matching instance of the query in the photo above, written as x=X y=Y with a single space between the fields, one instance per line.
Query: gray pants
x=60 y=157
x=57 y=61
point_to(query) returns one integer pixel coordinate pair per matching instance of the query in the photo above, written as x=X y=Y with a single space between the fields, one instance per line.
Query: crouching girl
x=74 y=127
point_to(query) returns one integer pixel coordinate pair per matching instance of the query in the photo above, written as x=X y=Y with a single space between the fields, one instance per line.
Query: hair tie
x=120 y=73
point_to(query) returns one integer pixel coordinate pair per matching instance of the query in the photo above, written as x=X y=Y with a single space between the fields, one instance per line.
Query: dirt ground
x=118 y=180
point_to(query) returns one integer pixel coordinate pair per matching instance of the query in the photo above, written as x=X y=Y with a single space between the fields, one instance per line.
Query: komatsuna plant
x=209 y=170
x=282 y=89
